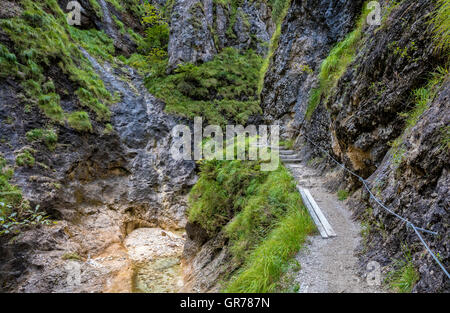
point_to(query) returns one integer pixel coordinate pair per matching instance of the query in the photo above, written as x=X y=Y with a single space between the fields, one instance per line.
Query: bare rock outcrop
x=199 y=29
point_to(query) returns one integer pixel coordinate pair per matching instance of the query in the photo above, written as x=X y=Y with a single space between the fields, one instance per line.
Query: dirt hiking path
x=328 y=265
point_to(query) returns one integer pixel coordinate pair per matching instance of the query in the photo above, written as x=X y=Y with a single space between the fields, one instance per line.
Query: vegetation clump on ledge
x=41 y=38
x=262 y=215
x=221 y=90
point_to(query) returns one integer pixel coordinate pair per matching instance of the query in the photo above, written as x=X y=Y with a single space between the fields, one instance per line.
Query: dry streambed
x=149 y=260
x=156 y=258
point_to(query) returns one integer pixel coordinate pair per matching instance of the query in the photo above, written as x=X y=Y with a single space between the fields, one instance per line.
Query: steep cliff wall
x=199 y=29
x=308 y=32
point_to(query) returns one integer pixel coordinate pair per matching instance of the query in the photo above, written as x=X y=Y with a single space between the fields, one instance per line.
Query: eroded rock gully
x=108 y=187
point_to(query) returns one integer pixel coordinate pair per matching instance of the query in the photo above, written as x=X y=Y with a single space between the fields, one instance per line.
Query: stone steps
x=287 y=152
x=291 y=160
x=289 y=156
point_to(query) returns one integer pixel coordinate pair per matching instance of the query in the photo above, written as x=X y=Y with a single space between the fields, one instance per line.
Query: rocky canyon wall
x=365 y=119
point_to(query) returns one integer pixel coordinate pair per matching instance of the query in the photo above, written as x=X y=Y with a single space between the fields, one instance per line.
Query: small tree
x=157 y=30
x=157 y=37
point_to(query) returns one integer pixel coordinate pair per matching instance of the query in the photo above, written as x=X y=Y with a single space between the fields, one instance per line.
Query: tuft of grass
x=96 y=7
x=342 y=195
x=49 y=103
x=117 y=5
x=220 y=190
x=335 y=65
x=288 y=144
x=441 y=25
x=71 y=256
x=48 y=136
x=404 y=275
x=398 y=151
x=8 y=62
x=279 y=11
x=10 y=195
x=80 y=121
x=25 y=158
x=96 y=42
x=265 y=264
x=422 y=99
x=445 y=137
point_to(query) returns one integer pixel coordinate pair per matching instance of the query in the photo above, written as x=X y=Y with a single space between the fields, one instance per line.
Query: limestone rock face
x=199 y=29
x=308 y=32
x=417 y=186
x=101 y=187
x=190 y=38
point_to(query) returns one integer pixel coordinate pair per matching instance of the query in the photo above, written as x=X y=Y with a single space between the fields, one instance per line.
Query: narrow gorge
x=93 y=200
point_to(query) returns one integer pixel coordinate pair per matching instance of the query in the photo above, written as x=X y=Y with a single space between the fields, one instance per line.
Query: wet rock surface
x=208 y=260
x=91 y=19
